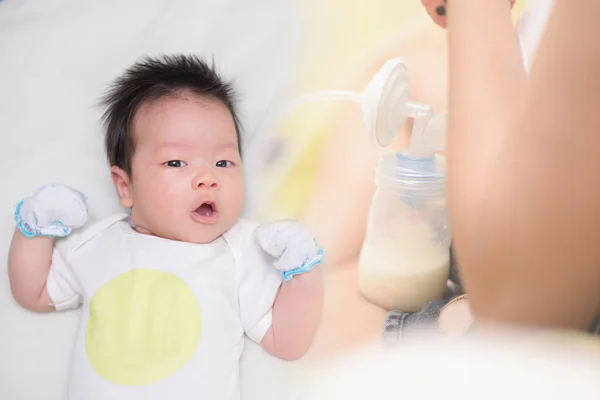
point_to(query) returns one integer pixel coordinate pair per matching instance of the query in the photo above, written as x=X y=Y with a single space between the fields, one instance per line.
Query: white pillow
x=56 y=58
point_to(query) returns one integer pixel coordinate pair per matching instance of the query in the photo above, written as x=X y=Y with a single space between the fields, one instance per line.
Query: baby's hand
x=294 y=249
x=53 y=210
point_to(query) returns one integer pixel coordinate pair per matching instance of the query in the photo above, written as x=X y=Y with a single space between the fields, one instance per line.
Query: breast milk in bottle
x=405 y=258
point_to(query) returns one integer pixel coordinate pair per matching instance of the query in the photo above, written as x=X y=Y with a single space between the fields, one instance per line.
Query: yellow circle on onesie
x=144 y=325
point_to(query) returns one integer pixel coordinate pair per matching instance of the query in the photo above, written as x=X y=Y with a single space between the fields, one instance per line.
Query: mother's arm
x=523 y=182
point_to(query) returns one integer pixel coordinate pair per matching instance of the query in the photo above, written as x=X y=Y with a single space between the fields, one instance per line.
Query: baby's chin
x=199 y=234
x=200 y=239
x=202 y=235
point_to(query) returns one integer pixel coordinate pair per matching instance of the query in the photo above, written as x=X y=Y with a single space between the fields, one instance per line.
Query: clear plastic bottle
x=405 y=261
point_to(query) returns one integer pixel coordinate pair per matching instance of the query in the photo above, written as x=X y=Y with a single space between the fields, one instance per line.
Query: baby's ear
x=123 y=185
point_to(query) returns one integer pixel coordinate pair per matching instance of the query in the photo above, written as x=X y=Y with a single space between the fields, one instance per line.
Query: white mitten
x=294 y=249
x=53 y=210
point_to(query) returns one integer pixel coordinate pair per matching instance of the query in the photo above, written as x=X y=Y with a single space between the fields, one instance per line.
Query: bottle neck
x=422 y=177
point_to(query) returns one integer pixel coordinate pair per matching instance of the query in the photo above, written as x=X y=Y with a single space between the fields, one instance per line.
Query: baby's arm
x=296 y=315
x=29 y=261
x=53 y=211
x=297 y=307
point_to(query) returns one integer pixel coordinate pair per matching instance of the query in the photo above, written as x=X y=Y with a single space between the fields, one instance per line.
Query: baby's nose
x=205 y=181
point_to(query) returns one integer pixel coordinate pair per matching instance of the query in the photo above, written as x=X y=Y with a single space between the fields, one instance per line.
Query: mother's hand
x=437 y=10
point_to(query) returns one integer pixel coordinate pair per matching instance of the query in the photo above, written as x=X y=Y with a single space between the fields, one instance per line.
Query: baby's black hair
x=151 y=79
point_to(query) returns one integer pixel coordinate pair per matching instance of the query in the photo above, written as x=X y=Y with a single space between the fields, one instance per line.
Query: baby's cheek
x=233 y=200
x=236 y=202
x=165 y=195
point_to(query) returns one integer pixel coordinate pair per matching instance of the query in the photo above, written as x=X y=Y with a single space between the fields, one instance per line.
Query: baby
x=168 y=290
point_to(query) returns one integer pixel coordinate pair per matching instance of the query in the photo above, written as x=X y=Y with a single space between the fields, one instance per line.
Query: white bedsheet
x=56 y=57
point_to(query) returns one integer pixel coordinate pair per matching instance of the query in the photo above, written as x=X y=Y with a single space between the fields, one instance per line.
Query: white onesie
x=162 y=319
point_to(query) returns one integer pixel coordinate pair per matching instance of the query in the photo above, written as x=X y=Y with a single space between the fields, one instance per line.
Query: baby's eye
x=175 y=164
x=224 y=164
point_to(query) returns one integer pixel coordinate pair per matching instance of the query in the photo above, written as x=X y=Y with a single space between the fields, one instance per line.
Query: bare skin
x=528 y=246
x=29 y=262
x=349 y=320
x=296 y=316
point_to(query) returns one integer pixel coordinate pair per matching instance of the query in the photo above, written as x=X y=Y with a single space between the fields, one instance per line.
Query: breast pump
x=404 y=261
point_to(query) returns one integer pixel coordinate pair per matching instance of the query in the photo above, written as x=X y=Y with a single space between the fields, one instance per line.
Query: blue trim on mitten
x=304 y=268
x=29 y=231
x=25 y=229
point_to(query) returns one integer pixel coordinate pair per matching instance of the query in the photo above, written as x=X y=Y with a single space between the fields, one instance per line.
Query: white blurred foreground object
x=503 y=368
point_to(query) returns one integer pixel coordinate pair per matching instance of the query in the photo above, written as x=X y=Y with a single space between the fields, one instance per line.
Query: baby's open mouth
x=205 y=210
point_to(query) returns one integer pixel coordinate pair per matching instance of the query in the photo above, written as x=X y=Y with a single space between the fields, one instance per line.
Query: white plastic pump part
x=386 y=106
x=385 y=102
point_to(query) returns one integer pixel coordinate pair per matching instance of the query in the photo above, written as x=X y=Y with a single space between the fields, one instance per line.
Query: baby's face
x=187 y=180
